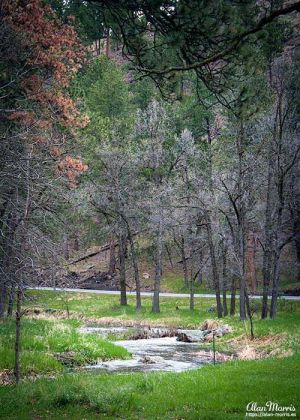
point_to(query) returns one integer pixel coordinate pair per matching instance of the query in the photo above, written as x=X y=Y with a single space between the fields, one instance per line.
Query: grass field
x=212 y=392
x=45 y=343
x=50 y=327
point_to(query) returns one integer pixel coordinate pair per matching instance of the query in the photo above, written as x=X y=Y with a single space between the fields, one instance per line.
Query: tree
x=167 y=38
x=37 y=114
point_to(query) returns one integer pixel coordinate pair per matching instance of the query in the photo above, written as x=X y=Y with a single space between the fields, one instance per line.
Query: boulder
x=191 y=336
x=198 y=336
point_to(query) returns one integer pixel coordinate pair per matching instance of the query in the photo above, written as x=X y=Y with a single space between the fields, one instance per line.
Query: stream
x=152 y=354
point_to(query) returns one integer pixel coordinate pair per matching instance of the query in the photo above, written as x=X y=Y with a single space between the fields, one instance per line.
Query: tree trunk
x=3 y=295
x=297 y=244
x=277 y=251
x=242 y=289
x=107 y=46
x=11 y=301
x=215 y=272
x=250 y=259
x=224 y=275
x=192 y=292
x=169 y=256
x=200 y=272
x=233 y=293
x=158 y=269
x=7 y=248
x=17 y=369
x=136 y=272
x=276 y=272
x=184 y=263
x=267 y=255
x=112 y=256
x=122 y=267
x=241 y=216
x=66 y=246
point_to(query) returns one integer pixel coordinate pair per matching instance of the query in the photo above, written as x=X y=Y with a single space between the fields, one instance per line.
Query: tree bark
x=215 y=271
x=297 y=240
x=184 y=263
x=224 y=278
x=169 y=256
x=136 y=272
x=66 y=246
x=112 y=256
x=233 y=293
x=267 y=255
x=192 y=291
x=158 y=269
x=11 y=301
x=200 y=272
x=250 y=259
x=122 y=268
x=17 y=369
x=3 y=296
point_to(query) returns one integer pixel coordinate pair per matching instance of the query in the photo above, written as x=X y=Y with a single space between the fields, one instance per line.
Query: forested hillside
x=150 y=146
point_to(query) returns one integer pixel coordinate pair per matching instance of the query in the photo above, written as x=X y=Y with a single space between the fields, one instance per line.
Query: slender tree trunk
x=276 y=272
x=267 y=255
x=158 y=269
x=112 y=256
x=122 y=267
x=136 y=272
x=184 y=263
x=250 y=258
x=192 y=291
x=169 y=256
x=17 y=369
x=241 y=216
x=215 y=271
x=107 y=46
x=66 y=246
x=250 y=315
x=3 y=296
x=7 y=248
x=242 y=294
x=297 y=244
x=233 y=293
x=277 y=252
x=200 y=272
x=224 y=275
x=11 y=301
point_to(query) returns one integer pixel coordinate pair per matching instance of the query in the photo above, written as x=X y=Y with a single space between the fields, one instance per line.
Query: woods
x=147 y=143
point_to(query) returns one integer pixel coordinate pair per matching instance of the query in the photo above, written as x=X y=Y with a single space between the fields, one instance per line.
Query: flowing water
x=153 y=354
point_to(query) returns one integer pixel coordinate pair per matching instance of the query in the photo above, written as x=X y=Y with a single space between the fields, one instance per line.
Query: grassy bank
x=282 y=334
x=48 y=345
x=212 y=392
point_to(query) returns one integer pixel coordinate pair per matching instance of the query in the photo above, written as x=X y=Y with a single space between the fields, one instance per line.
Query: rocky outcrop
x=200 y=336
x=146 y=333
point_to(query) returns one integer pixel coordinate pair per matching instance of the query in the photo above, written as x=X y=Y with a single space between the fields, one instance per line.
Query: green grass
x=212 y=392
x=41 y=340
x=98 y=308
x=173 y=282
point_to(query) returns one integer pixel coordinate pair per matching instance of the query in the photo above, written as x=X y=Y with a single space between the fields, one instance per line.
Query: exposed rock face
x=189 y=336
x=198 y=336
x=153 y=333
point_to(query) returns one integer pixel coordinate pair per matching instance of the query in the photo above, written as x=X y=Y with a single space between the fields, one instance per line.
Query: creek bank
x=161 y=349
x=206 y=333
